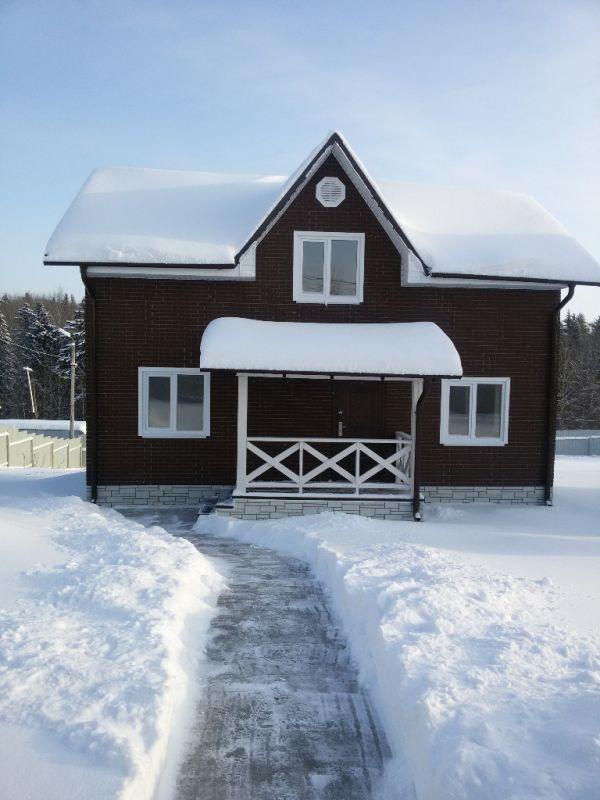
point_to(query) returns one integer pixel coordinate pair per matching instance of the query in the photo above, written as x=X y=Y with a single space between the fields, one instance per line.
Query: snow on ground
x=94 y=611
x=43 y=424
x=476 y=633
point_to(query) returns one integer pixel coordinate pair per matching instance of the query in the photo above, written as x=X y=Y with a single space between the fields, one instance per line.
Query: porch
x=310 y=438
x=324 y=437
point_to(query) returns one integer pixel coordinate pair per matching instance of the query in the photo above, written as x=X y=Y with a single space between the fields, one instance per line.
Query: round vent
x=330 y=192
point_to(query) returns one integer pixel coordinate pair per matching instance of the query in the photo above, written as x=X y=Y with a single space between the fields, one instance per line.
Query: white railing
x=322 y=467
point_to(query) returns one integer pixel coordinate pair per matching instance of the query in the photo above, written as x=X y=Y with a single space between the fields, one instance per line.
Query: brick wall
x=160 y=323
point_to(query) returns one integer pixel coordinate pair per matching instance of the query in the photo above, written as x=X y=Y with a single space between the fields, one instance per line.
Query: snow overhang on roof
x=394 y=348
x=150 y=218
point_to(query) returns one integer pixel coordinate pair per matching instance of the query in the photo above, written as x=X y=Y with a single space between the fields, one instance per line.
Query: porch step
x=254 y=507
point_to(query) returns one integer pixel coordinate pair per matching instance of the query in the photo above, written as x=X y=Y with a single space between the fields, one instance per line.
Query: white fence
x=21 y=449
x=578 y=443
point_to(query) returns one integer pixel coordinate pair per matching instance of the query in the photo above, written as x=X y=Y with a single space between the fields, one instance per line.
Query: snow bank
x=93 y=668
x=397 y=348
x=483 y=695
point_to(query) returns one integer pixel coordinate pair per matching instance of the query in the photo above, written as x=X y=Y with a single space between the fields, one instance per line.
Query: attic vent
x=330 y=192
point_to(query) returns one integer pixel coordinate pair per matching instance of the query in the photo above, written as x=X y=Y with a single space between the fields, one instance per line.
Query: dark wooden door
x=358 y=409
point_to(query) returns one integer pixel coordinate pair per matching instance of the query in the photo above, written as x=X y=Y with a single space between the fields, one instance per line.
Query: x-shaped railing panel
x=273 y=462
x=329 y=463
x=382 y=463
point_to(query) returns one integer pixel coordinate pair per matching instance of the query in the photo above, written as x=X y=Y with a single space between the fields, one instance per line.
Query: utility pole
x=28 y=370
x=73 y=366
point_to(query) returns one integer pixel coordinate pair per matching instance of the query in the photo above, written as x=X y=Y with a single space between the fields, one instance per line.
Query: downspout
x=90 y=379
x=416 y=500
x=552 y=408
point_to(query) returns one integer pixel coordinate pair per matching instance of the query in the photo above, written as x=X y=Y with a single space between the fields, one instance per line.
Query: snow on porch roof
x=394 y=348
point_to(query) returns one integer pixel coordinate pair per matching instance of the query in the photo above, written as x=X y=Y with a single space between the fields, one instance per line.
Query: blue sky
x=502 y=94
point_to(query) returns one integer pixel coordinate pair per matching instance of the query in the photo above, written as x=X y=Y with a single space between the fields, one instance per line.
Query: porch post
x=417 y=391
x=242 y=434
x=416 y=465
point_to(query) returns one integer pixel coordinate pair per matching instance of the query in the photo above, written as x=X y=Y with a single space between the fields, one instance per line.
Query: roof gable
x=334 y=145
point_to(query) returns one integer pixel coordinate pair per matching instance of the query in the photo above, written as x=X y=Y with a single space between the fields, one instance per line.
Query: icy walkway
x=283 y=716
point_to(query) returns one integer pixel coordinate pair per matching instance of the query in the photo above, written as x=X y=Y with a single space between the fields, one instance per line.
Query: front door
x=358 y=409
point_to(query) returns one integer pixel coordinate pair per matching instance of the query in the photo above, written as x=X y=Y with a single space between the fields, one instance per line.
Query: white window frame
x=144 y=373
x=326 y=298
x=471 y=440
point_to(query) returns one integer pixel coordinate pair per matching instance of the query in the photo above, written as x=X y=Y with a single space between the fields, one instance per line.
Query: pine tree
x=40 y=343
x=579 y=373
x=24 y=338
x=8 y=368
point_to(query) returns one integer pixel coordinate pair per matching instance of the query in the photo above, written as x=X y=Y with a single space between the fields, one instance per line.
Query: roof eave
x=138 y=264
x=284 y=372
x=510 y=279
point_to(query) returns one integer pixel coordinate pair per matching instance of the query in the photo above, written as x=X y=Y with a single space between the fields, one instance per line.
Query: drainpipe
x=416 y=501
x=90 y=380
x=552 y=408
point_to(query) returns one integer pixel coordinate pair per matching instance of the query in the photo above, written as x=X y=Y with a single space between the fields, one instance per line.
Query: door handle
x=340 y=424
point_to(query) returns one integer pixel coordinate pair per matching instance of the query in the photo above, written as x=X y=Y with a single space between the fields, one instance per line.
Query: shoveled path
x=283 y=716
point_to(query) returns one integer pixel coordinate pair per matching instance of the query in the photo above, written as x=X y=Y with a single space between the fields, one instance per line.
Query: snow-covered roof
x=467 y=231
x=154 y=217
x=395 y=348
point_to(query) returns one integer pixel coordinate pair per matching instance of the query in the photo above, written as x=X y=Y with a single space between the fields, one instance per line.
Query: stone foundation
x=159 y=495
x=279 y=507
x=509 y=495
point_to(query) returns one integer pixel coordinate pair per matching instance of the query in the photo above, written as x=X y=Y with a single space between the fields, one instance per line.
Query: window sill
x=171 y=435
x=471 y=443
x=343 y=301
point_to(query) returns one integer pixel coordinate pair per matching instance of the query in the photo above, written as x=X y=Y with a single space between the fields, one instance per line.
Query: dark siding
x=160 y=323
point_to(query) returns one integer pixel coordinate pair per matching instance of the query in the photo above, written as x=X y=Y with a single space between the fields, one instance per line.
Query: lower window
x=173 y=403
x=474 y=411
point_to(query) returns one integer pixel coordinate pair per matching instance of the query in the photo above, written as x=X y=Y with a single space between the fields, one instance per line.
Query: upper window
x=475 y=411
x=328 y=267
x=173 y=403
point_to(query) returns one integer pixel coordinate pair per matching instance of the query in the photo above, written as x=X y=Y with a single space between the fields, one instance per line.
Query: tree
x=40 y=344
x=30 y=337
x=25 y=342
x=8 y=368
x=579 y=373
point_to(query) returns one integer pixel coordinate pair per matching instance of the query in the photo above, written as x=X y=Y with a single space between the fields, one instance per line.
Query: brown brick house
x=321 y=341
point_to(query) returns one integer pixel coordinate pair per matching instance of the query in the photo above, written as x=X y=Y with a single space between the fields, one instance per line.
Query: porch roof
x=395 y=348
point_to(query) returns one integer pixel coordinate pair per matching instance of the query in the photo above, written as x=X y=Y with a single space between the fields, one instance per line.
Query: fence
x=578 y=443
x=21 y=449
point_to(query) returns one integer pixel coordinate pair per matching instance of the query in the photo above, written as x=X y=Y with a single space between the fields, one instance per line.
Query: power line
x=37 y=352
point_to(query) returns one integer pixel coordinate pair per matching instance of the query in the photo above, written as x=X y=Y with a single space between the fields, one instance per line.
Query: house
x=287 y=345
